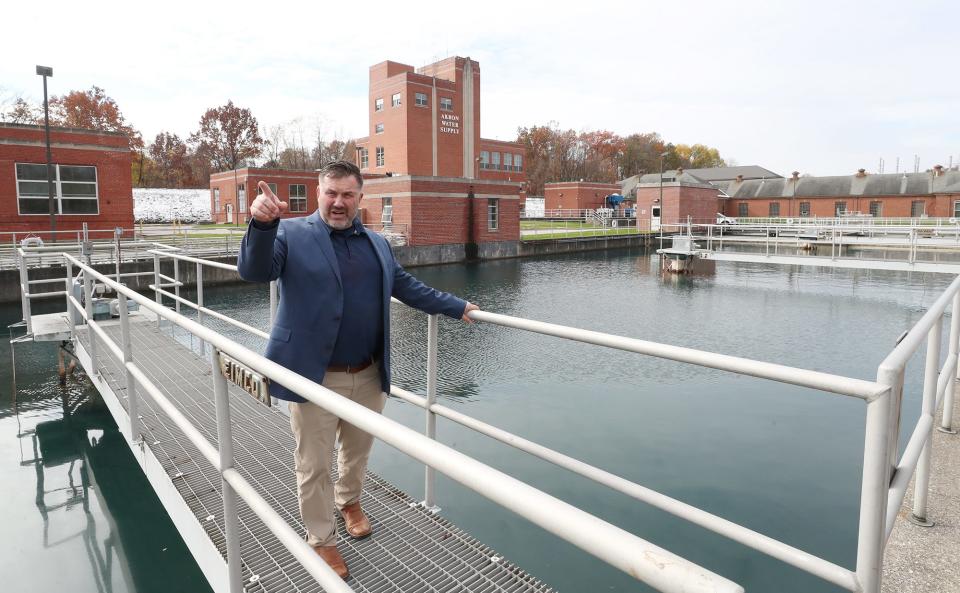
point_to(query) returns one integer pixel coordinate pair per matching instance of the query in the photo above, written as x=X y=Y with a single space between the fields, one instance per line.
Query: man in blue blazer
x=333 y=327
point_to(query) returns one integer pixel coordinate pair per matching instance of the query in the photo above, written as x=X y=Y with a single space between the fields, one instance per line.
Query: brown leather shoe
x=331 y=555
x=357 y=524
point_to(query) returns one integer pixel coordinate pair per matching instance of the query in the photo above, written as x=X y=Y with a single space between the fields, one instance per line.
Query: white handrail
x=647 y=562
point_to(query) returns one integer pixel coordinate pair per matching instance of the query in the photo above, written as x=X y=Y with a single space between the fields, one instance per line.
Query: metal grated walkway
x=411 y=549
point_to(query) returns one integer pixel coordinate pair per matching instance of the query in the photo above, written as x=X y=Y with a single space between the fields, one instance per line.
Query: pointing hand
x=267 y=207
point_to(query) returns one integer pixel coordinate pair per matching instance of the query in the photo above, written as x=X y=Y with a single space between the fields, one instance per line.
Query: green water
x=782 y=460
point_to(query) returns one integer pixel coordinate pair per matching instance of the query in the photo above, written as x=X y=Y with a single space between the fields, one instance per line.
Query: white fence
x=884 y=479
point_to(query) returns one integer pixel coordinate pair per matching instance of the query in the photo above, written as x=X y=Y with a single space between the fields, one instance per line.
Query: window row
x=918 y=209
x=365 y=157
x=297 y=200
x=491 y=161
x=419 y=99
x=74 y=189
x=493 y=212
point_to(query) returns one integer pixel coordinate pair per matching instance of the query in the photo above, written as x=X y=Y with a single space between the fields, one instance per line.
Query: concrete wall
x=407 y=256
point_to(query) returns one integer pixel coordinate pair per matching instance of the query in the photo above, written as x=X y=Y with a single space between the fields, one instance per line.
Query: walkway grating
x=412 y=550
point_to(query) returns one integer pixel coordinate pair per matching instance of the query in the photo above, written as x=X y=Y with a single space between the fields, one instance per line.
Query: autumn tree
x=92 y=110
x=20 y=111
x=171 y=157
x=697 y=156
x=227 y=137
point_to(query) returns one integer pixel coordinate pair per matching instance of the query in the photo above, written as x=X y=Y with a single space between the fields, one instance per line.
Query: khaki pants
x=314 y=430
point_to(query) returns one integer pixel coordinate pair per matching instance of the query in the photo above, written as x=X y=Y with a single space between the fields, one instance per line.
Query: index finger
x=267 y=191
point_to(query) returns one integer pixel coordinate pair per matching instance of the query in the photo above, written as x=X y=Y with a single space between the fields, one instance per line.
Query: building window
x=298 y=197
x=378 y=104
x=378 y=128
x=421 y=99
x=74 y=189
x=507 y=161
x=876 y=209
x=216 y=199
x=386 y=217
x=774 y=209
x=839 y=208
x=484 y=159
x=364 y=158
x=742 y=209
x=493 y=214
x=395 y=100
x=380 y=158
x=956 y=209
x=272 y=186
x=242 y=197
x=446 y=104
x=804 y=209
x=518 y=162
x=494 y=161
x=918 y=208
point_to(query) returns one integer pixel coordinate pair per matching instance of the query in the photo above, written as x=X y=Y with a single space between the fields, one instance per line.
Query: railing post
x=156 y=284
x=70 y=313
x=921 y=486
x=876 y=483
x=946 y=418
x=132 y=401
x=25 y=290
x=273 y=302
x=429 y=499
x=88 y=306
x=176 y=282
x=225 y=444
x=203 y=344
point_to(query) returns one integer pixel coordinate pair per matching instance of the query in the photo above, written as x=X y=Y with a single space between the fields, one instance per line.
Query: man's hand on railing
x=267 y=207
x=466 y=311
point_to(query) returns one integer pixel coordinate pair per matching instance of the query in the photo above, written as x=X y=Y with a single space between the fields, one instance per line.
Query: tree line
x=229 y=136
x=554 y=154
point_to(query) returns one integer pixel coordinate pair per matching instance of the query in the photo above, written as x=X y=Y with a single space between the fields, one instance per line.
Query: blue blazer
x=298 y=254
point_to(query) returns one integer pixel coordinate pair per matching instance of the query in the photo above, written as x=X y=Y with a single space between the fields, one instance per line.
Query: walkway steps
x=411 y=549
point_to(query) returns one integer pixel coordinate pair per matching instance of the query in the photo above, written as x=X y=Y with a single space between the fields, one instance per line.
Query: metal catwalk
x=412 y=549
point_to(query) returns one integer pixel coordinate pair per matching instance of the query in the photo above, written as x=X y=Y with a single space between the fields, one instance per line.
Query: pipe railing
x=876 y=394
x=649 y=563
x=884 y=481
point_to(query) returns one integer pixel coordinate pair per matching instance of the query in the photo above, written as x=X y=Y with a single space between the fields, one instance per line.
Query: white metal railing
x=639 y=558
x=884 y=480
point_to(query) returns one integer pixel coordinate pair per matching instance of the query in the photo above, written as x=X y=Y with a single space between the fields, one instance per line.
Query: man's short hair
x=341 y=169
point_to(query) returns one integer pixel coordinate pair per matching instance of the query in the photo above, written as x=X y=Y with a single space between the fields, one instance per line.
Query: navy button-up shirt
x=361 y=328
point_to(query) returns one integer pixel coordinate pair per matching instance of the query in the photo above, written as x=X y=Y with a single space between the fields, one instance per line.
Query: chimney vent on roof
x=679 y=171
x=861 y=172
x=937 y=170
x=796 y=175
x=739 y=178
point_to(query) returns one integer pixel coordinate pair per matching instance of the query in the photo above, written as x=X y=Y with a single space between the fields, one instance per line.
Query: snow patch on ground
x=165 y=205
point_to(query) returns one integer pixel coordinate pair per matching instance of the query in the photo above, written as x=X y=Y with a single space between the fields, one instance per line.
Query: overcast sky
x=819 y=87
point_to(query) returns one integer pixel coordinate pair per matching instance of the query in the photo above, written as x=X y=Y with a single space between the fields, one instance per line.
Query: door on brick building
x=655 y=218
x=229 y=213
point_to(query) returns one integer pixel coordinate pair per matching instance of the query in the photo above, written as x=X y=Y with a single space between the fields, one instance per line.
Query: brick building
x=230 y=192
x=91 y=180
x=426 y=122
x=577 y=195
x=428 y=174
x=934 y=193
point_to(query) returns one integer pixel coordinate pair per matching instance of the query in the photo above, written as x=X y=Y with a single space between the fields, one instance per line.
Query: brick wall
x=577 y=195
x=106 y=151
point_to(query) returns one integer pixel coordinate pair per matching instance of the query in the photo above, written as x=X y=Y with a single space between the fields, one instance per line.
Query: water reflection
x=95 y=517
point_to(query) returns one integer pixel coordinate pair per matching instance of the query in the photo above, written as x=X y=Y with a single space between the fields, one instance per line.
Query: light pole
x=46 y=71
x=662 y=154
